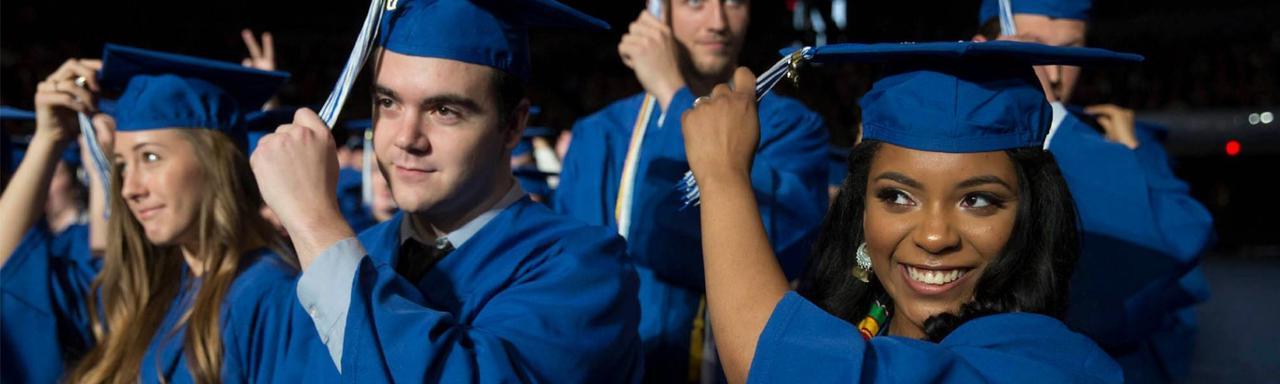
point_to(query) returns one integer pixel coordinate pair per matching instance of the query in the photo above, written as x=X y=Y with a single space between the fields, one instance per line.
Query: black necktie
x=417 y=258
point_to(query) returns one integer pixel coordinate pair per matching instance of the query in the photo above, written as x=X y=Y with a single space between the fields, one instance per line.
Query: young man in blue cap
x=1139 y=273
x=472 y=281
x=625 y=161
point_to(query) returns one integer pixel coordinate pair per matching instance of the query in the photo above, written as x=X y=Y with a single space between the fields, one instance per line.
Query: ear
x=515 y=127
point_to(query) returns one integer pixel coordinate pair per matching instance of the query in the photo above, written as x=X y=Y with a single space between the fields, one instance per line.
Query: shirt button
x=324 y=338
x=312 y=311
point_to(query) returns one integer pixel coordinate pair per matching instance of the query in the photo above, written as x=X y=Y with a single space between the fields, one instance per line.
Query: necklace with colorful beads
x=870 y=325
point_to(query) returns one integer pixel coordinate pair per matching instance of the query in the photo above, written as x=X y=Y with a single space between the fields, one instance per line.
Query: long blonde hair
x=139 y=279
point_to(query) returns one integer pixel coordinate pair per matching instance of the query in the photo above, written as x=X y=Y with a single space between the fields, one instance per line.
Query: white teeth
x=934 y=277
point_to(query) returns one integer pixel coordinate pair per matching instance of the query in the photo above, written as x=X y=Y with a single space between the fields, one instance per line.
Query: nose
x=410 y=133
x=131 y=185
x=936 y=234
x=718 y=21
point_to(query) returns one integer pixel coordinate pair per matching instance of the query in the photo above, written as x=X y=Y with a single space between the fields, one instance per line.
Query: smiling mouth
x=933 y=281
x=402 y=168
x=147 y=213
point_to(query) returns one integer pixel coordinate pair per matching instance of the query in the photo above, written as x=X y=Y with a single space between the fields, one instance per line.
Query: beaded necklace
x=870 y=325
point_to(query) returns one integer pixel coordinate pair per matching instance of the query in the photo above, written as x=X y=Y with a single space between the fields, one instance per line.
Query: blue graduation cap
x=526 y=139
x=11 y=150
x=14 y=150
x=532 y=132
x=1057 y=9
x=259 y=123
x=961 y=96
x=164 y=90
x=491 y=33
x=533 y=181
x=11 y=113
x=351 y=132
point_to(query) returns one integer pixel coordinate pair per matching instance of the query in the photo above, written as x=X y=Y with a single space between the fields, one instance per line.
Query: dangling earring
x=863 y=270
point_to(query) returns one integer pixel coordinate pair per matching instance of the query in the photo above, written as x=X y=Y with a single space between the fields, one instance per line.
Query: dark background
x=1209 y=66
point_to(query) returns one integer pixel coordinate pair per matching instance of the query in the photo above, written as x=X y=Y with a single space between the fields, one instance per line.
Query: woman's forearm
x=22 y=203
x=744 y=281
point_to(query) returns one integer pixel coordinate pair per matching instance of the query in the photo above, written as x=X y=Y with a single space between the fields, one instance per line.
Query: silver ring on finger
x=81 y=81
x=700 y=100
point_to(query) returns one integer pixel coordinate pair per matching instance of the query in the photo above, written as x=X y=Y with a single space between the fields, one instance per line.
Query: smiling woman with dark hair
x=1016 y=230
x=946 y=255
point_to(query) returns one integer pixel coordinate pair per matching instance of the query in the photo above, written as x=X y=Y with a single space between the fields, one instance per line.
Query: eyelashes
x=983 y=201
x=894 y=197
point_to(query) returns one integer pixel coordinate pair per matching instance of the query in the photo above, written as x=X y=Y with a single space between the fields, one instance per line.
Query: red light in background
x=1233 y=148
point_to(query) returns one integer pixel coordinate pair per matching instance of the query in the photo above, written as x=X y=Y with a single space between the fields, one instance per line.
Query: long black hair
x=1031 y=273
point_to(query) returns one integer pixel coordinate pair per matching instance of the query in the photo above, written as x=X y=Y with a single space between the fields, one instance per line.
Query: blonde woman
x=194 y=285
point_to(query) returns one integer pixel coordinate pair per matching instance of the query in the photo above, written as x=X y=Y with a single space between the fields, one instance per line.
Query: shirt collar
x=1059 y=114
x=466 y=231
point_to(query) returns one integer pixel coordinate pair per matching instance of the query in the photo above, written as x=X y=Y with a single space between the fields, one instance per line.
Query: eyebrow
x=982 y=180
x=115 y=155
x=467 y=103
x=380 y=89
x=900 y=178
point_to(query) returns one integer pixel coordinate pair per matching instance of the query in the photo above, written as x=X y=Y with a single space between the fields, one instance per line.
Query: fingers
x=648 y=27
x=60 y=99
x=647 y=18
x=105 y=126
x=307 y=118
x=48 y=93
x=268 y=47
x=720 y=90
x=73 y=68
x=255 y=51
x=80 y=94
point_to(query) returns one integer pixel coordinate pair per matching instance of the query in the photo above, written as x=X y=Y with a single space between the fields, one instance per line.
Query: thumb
x=307 y=118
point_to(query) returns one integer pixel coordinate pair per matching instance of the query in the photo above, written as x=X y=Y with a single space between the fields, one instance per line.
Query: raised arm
x=744 y=281
x=58 y=98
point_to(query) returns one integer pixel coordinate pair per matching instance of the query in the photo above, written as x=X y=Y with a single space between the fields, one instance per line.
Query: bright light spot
x=1233 y=148
x=1266 y=117
x=1254 y=118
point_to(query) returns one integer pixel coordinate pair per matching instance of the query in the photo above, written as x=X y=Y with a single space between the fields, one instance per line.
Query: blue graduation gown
x=1143 y=234
x=531 y=297
x=44 y=325
x=266 y=335
x=801 y=343
x=351 y=199
x=788 y=177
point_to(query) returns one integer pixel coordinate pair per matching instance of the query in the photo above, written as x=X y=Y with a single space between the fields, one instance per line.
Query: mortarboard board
x=959 y=96
x=164 y=90
x=11 y=113
x=491 y=33
x=1057 y=9
x=260 y=123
